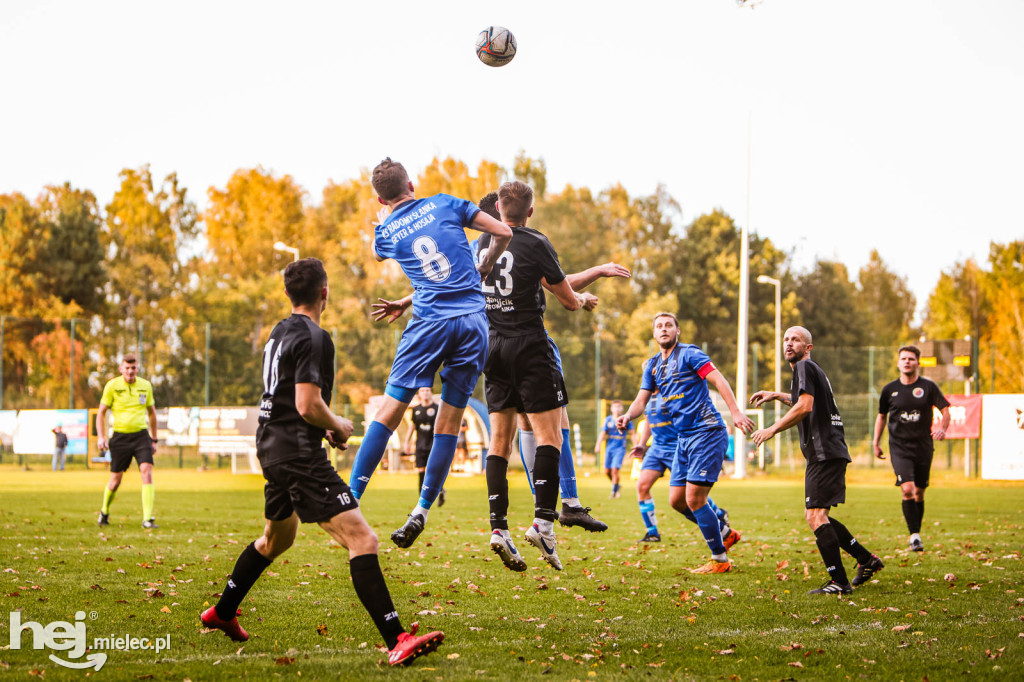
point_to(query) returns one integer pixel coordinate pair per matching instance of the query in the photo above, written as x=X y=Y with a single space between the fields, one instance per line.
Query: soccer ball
x=495 y=46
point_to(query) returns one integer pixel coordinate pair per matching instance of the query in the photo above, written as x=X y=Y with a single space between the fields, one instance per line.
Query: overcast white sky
x=895 y=125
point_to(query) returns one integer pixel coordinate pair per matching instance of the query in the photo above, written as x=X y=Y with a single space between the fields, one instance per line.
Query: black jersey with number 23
x=513 y=291
x=298 y=352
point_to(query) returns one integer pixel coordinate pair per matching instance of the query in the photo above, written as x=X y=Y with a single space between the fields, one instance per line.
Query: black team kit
x=301 y=481
x=823 y=443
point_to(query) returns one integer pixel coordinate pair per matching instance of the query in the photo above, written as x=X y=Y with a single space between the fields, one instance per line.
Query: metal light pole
x=741 y=339
x=765 y=279
x=281 y=246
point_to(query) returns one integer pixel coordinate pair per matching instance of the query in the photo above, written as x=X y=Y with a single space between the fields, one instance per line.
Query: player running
x=427 y=239
x=907 y=403
x=823 y=443
x=521 y=371
x=659 y=430
x=302 y=486
x=682 y=373
x=615 y=446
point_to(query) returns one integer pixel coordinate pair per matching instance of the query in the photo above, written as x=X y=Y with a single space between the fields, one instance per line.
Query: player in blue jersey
x=573 y=512
x=427 y=239
x=682 y=373
x=659 y=430
x=615 y=446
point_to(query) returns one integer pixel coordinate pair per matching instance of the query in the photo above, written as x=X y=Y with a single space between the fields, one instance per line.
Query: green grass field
x=615 y=611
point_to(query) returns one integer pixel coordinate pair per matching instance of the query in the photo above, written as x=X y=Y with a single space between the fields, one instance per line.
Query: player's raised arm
x=384 y=309
x=581 y=280
x=569 y=299
x=501 y=235
x=801 y=409
x=739 y=420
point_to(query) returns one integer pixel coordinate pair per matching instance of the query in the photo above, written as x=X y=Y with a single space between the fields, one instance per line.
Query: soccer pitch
x=617 y=610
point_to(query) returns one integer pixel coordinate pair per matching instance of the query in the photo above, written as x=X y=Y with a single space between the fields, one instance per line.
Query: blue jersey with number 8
x=427 y=238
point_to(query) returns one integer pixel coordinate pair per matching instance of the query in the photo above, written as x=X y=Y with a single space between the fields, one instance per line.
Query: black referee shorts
x=825 y=484
x=126 y=446
x=912 y=462
x=522 y=372
x=307 y=485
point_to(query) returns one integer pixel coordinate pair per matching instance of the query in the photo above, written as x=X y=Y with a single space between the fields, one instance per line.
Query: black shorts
x=125 y=446
x=825 y=484
x=307 y=485
x=912 y=462
x=522 y=372
x=421 y=458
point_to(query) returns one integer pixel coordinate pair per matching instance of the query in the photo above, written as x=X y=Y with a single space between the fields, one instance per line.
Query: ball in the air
x=495 y=46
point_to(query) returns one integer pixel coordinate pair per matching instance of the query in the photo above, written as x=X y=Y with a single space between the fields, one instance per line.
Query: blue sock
x=647 y=514
x=708 y=524
x=719 y=513
x=442 y=454
x=615 y=488
x=567 y=469
x=370 y=452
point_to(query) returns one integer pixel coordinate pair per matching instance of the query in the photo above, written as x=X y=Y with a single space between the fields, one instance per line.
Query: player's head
x=129 y=367
x=426 y=395
x=390 y=180
x=489 y=205
x=616 y=407
x=515 y=202
x=305 y=283
x=666 y=330
x=796 y=344
x=908 y=359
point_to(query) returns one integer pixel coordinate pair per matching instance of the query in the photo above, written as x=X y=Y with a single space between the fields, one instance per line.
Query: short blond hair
x=389 y=179
x=516 y=199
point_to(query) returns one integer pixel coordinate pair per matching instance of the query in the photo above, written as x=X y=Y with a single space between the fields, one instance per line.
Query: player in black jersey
x=823 y=443
x=302 y=486
x=907 y=404
x=521 y=370
x=421 y=435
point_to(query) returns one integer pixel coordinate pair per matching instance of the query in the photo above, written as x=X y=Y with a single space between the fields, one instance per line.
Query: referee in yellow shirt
x=130 y=399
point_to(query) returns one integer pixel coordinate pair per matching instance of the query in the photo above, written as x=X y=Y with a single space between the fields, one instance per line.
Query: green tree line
x=82 y=283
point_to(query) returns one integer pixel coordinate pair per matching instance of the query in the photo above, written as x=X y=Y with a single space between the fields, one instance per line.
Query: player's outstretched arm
x=569 y=299
x=390 y=310
x=739 y=420
x=879 y=429
x=501 y=235
x=581 y=280
x=801 y=409
x=311 y=407
x=636 y=408
x=762 y=397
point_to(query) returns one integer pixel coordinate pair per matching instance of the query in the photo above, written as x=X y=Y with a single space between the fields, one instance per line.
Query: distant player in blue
x=427 y=239
x=615 y=446
x=681 y=374
x=659 y=430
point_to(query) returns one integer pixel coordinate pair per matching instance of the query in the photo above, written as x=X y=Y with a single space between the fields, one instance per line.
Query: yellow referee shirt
x=130 y=403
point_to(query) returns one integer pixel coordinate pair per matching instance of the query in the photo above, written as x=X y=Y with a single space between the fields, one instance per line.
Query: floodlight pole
x=740 y=449
x=765 y=279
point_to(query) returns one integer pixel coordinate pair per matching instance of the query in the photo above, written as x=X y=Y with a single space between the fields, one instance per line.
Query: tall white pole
x=778 y=362
x=741 y=340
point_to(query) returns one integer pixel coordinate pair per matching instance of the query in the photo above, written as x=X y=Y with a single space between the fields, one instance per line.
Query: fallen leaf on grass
x=284 y=660
x=452 y=657
x=165 y=609
x=321 y=629
x=900 y=628
x=795 y=664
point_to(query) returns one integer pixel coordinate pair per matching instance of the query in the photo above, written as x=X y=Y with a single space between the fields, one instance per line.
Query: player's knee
x=363 y=542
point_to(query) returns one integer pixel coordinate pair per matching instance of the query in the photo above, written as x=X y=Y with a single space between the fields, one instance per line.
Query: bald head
x=802 y=332
x=796 y=344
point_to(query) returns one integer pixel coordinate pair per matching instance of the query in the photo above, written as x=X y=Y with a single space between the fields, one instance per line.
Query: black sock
x=920 y=514
x=910 y=513
x=422 y=474
x=828 y=546
x=496 y=470
x=369 y=583
x=248 y=568
x=849 y=544
x=545 y=482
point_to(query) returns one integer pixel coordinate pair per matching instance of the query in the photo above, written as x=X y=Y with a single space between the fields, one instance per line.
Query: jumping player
x=615 y=446
x=682 y=374
x=521 y=371
x=823 y=443
x=427 y=239
x=302 y=486
x=907 y=403
x=659 y=429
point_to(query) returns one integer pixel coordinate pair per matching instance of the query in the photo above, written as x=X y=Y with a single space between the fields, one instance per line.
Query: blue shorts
x=613 y=456
x=699 y=457
x=460 y=343
x=658 y=458
x=558 y=356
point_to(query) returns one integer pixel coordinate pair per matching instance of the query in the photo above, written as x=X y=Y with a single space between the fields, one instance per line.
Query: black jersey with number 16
x=513 y=291
x=298 y=352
